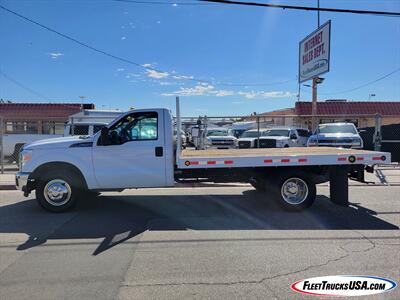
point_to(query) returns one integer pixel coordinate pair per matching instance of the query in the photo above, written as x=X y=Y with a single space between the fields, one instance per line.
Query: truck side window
x=135 y=127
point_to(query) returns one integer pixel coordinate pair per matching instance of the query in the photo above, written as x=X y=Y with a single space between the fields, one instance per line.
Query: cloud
x=198 y=90
x=157 y=75
x=262 y=94
x=277 y=94
x=224 y=93
x=120 y=69
x=123 y=38
x=248 y=95
x=55 y=55
x=181 y=77
x=147 y=65
x=202 y=89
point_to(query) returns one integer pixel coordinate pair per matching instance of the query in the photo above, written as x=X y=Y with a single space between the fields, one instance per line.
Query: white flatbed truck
x=137 y=151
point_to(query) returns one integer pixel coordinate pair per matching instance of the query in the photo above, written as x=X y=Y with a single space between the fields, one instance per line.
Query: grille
x=222 y=142
x=244 y=144
x=336 y=141
x=267 y=143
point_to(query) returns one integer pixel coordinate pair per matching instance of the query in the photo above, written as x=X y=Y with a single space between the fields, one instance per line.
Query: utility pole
x=314 y=104
x=315 y=81
x=82 y=98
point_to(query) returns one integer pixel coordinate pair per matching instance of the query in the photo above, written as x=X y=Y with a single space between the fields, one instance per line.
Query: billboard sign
x=314 y=53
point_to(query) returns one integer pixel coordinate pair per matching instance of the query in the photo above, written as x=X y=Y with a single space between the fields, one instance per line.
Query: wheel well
x=42 y=169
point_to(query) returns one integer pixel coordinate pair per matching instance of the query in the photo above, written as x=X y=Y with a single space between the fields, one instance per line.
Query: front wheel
x=58 y=192
x=295 y=192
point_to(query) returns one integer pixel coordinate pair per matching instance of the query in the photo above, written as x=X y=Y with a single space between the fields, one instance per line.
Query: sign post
x=314 y=60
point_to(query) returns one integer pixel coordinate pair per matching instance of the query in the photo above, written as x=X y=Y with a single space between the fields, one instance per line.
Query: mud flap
x=339 y=185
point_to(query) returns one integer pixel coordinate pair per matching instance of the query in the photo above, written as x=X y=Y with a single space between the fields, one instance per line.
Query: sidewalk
x=7 y=181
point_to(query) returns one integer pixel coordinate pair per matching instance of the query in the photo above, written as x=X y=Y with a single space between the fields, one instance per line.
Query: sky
x=221 y=60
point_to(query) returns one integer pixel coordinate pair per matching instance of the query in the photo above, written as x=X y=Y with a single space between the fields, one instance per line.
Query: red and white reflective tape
x=286 y=160
x=360 y=158
x=209 y=162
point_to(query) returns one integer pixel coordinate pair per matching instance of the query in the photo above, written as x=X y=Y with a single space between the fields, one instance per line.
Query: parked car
x=220 y=138
x=238 y=128
x=248 y=138
x=343 y=135
x=281 y=137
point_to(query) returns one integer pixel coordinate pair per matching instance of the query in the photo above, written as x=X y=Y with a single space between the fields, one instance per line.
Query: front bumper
x=22 y=182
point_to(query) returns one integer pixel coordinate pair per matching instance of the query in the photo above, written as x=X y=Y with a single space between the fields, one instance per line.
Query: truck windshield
x=347 y=128
x=277 y=132
x=252 y=134
x=217 y=133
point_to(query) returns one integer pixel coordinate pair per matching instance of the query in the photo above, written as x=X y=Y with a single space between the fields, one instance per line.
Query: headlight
x=356 y=142
x=312 y=142
x=25 y=156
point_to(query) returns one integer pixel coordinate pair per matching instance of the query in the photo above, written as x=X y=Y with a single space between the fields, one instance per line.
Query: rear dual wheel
x=293 y=191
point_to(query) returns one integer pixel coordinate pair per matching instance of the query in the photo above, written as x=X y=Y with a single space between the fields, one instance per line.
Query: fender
x=79 y=157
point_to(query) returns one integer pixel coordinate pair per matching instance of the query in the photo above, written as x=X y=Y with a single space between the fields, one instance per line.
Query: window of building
x=21 y=127
x=53 y=127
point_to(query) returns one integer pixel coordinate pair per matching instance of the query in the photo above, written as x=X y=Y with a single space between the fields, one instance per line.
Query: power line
x=128 y=61
x=177 y=3
x=360 y=86
x=307 y=8
x=22 y=86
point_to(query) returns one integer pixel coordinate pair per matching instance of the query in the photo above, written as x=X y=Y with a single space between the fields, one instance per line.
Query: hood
x=335 y=135
x=61 y=142
x=228 y=138
x=278 y=138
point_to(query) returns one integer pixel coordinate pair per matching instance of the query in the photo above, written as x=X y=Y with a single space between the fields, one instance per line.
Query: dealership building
x=361 y=113
x=38 y=118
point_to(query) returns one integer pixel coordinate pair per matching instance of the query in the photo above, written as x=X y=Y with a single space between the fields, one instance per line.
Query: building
x=361 y=113
x=38 y=118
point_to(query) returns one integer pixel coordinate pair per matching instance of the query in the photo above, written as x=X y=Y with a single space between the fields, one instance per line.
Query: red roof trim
x=350 y=108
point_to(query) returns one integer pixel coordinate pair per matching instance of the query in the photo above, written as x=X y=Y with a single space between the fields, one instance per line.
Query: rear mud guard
x=339 y=185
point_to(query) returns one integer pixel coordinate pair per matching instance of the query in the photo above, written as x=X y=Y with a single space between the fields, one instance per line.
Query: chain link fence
x=378 y=133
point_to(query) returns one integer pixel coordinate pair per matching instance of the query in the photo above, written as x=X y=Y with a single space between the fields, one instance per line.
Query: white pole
x=1 y=144
x=178 y=130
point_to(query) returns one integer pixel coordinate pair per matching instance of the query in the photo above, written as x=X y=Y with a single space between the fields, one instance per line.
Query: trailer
x=137 y=150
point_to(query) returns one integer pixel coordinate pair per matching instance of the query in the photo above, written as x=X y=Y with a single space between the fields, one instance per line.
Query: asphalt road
x=224 y=242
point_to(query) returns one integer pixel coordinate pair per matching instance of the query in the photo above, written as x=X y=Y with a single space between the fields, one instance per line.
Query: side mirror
x=104 y=136
x=293 y=137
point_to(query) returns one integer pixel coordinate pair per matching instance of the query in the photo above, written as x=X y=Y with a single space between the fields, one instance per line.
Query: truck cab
x=134 y=151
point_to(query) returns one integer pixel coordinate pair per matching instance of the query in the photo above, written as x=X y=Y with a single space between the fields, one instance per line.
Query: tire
x=294 y=191
x=58 y=191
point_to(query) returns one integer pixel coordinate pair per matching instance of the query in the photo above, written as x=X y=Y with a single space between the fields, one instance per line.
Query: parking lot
x=204 y=242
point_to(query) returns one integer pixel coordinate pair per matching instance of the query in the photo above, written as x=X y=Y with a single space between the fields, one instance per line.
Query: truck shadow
x=117 y=219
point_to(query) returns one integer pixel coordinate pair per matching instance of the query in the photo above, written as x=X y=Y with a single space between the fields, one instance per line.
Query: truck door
x=134 y=154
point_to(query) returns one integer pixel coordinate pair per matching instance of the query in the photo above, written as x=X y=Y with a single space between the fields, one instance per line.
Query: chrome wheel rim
x=294 y=191
x=57 y=192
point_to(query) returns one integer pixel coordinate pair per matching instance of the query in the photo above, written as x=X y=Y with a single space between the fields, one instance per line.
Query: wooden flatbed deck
x=295 y=151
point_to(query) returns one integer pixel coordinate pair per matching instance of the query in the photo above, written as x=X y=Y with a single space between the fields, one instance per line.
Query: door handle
x=159 y=151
